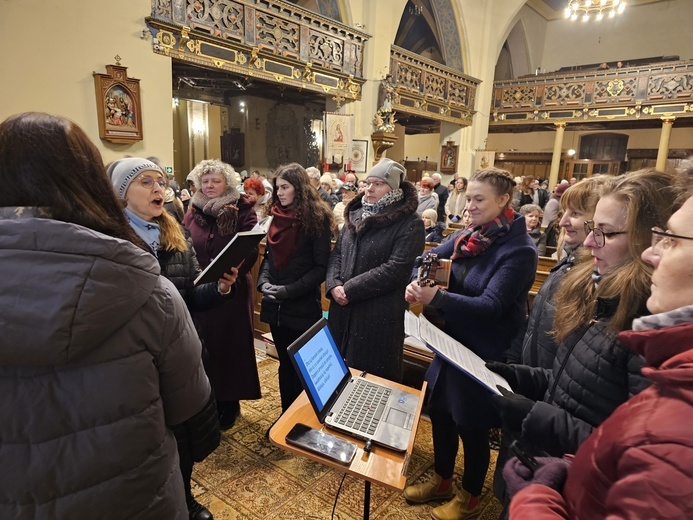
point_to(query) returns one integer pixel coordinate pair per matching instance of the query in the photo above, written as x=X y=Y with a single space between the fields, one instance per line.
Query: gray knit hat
x=123 y=171
x=390 y=171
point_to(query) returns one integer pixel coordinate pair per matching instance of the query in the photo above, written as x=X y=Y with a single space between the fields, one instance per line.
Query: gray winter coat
x=98 y=355
x=373 y=259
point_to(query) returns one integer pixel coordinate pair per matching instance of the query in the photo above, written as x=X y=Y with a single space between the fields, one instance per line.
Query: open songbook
x=235 y=252
x=453 y=352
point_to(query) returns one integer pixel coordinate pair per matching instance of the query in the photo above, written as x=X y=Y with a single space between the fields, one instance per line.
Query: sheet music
x=453 y=351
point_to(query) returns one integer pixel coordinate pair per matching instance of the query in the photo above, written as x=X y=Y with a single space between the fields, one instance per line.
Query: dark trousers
x=477 y=453
x=289 y=384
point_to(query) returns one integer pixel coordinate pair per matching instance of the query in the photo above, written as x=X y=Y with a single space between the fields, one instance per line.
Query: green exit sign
x=169 y=169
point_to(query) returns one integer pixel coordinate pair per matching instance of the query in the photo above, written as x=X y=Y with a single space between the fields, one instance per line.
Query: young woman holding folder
x=142 y=184
x=216 y=213
x=493 y=266
x=295 y=264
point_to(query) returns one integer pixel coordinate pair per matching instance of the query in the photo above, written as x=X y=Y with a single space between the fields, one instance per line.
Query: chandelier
x=600 y=8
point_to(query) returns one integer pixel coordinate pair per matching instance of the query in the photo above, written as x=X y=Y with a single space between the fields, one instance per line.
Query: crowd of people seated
x=122 y=372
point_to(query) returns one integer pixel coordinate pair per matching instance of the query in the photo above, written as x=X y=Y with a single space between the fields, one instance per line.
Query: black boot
x=228 y=413
x=197 y=511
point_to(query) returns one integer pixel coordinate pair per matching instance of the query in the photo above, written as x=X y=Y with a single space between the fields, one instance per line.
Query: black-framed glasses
x=663 y=239
x=599 y=235
x=148 y=182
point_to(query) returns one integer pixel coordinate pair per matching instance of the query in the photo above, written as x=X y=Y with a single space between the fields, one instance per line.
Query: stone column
x=556 y=157
x=663 y=152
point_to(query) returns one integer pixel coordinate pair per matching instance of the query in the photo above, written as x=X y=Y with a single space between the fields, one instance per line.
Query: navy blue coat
x=483 y=309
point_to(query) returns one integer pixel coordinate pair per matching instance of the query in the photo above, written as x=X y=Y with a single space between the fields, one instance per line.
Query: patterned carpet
x=248 y=478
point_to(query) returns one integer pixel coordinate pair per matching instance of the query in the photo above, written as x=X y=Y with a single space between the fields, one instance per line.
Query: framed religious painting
x=118 y=105
x=448 y=158
x=359 y=155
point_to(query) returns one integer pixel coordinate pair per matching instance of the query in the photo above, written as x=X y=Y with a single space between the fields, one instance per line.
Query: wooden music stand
x=382 y=466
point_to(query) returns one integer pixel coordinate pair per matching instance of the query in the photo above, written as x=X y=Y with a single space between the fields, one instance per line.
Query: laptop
x=353 y=405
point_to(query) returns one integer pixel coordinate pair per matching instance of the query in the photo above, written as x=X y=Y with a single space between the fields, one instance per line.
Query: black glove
x=504 y=370
x=275 y=291
x=512 y=408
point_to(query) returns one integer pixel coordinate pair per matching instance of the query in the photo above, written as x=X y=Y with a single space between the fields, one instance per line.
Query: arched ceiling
x=418 y=31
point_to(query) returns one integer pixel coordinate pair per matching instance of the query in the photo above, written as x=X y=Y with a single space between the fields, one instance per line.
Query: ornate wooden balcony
x=629 y=94
x=429 y=89
x=269 y=39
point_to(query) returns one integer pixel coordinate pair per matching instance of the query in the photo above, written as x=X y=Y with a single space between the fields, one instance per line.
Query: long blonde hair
x=648 y=198
x=171 y=234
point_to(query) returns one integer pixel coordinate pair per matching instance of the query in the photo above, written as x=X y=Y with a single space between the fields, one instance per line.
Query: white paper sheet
x=453 y=352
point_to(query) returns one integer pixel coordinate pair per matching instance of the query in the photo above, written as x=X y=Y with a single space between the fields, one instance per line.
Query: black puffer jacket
x=302 y=277
x=181 y=268
x=535 y=346
x=373 y=259
x=592 y=374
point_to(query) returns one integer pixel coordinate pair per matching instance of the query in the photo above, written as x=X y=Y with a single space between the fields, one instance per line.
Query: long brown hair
x=49 y=161
x=647 y=197
x=312 y=213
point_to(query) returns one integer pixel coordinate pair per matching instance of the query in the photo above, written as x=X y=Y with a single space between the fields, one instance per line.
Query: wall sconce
x=257 y=123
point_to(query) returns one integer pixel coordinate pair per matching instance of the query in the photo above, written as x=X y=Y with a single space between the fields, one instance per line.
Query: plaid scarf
x=475 y=240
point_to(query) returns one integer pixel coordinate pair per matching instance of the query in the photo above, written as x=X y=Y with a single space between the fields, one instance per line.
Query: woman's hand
x=417 y=294
x=339 y=295
x=227 y=280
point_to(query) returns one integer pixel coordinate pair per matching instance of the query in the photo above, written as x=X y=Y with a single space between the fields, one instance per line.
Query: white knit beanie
x=123 y=171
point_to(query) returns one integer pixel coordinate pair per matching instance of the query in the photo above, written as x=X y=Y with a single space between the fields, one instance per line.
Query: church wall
x=51 y=50
x=647 y=30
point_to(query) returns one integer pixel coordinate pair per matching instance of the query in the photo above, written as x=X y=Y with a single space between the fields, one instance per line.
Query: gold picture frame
x=118 y=105
x=448 y=157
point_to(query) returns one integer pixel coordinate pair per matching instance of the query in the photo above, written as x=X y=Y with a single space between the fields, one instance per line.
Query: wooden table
x=381 y=466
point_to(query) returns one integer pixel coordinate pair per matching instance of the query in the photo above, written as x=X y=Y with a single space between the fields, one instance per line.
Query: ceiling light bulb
x=621 y=8
x=574 y=17
x=585 y=17
x=599 y=16
x=567 y=12
x=571 y=152
x=612 y=13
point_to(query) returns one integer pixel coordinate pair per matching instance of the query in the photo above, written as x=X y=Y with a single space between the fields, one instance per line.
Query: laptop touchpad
x=396 y=417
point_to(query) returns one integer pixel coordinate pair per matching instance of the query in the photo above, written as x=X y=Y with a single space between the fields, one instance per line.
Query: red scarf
x=474 y=241
x=283 y=235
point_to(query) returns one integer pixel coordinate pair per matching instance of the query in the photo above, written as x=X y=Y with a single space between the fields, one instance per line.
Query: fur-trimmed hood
x=394 y=213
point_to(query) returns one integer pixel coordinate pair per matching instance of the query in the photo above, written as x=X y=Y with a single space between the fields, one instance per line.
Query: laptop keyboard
x=364 y=407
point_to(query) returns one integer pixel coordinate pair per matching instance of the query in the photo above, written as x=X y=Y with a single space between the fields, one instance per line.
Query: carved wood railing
x=427 y=88
x=270 y=39
x=661 y=90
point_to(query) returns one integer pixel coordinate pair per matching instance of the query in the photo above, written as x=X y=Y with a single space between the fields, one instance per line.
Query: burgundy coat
x=227 y=330
x=639 y=463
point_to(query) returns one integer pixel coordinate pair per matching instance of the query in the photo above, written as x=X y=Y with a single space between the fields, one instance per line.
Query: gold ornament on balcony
x=586 y=9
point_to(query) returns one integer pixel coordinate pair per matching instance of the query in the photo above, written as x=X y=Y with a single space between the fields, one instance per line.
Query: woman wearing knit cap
x=98 y=356
x=369 y=269
x=217 y=212
x=142 y=184
x=434 y=230
x=295 y=263
x=493 y=266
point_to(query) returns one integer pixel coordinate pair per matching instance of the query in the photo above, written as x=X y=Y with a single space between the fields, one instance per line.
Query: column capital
x=561 y=124
x=668 y=120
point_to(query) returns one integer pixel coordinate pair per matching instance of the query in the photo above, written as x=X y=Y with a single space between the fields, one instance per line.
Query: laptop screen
x=319 y=363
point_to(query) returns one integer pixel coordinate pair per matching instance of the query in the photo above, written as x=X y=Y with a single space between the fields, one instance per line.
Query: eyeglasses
x=664 y=239
x=376 y=184
x=149 y=183
x=599 y=235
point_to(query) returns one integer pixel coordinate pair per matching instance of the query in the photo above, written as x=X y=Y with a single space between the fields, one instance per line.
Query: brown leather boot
x=427 y=491
x=458 y=508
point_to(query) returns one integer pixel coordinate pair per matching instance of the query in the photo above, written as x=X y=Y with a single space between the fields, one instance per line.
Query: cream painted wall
x=52 y=49
x=419 y=146
x=658 y=29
